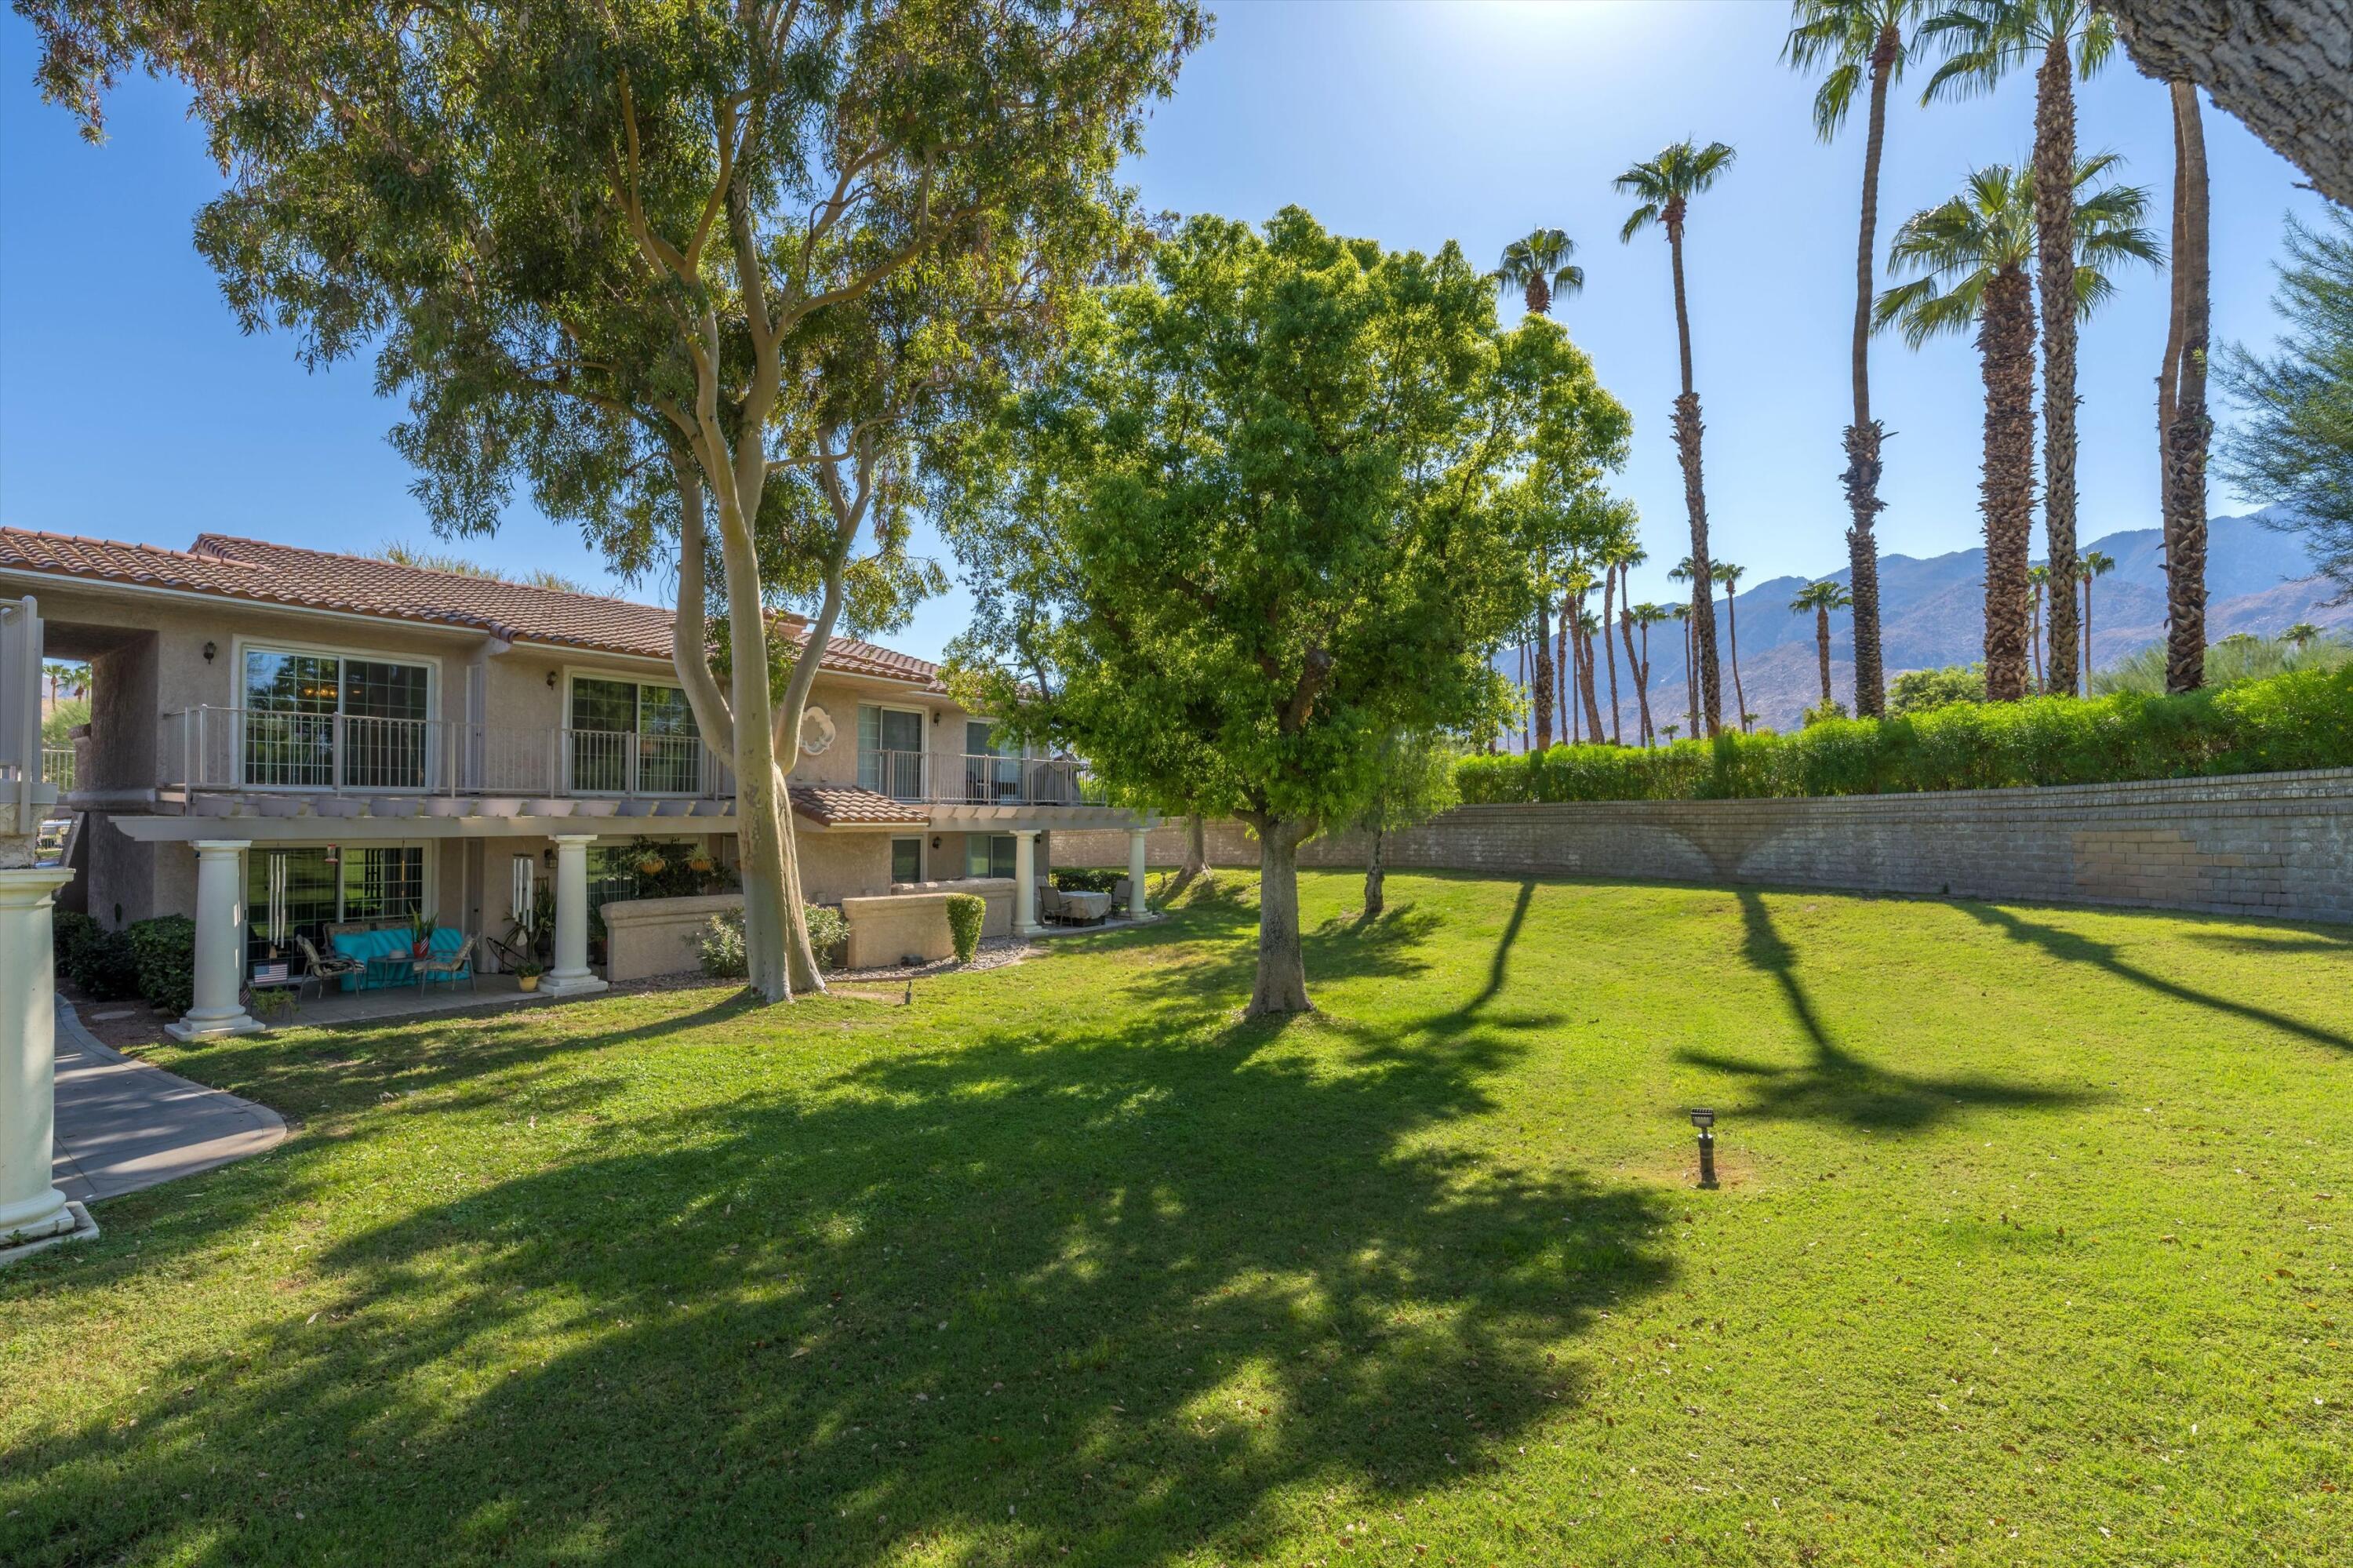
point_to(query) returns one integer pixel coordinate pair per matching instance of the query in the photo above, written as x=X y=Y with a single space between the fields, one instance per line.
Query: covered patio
x=334 y=1008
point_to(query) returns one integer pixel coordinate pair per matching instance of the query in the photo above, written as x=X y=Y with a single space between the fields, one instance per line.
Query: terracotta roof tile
x=836 y=805
x=256 y=570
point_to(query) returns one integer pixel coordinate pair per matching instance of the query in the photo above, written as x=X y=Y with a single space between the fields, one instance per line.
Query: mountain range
x=1932 y=614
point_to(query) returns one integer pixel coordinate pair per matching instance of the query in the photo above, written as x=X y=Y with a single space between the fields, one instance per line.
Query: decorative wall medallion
x=816 y=730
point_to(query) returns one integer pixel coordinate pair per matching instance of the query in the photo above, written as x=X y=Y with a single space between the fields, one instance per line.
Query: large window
x=988 y=854
x=321 y=721
x=891 y=751
x=632 y=739
x=326 y=887
x=906 y=860
x=992 y=770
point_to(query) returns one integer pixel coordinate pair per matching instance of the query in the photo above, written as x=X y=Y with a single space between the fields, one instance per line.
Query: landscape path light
x=1704 y=1119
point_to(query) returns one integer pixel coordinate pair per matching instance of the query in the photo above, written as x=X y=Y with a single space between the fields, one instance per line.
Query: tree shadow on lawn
x=1107 y=1291
x=1835 y=1085
x=2073 y=948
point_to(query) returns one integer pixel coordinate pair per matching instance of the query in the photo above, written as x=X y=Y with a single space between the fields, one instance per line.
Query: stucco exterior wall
x=648 y=937
x=2275 y=845
x=839 y=864
x=913 y=923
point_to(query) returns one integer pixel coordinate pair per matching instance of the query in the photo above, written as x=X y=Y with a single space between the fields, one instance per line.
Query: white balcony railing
x=973 y=779
x=353 y=754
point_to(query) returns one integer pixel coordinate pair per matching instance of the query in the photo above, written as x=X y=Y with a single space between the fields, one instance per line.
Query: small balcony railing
x=975 y=779
x=213 y=749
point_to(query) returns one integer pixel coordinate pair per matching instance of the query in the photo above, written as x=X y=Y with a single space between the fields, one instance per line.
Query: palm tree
x=2061 y=39
x=1539 y=267
x=1683 y=574
x=2182 y=428
x=1646 y=616
x=1588 y=624
x=2303 y=634
x=1860 y=40
x=1822 y=598
x=1972 y=252
x=2037 y=579
x=1663 y=187
x=1670 y=731
x=2096 y=563
x=1729 y=575
x=1621 y=555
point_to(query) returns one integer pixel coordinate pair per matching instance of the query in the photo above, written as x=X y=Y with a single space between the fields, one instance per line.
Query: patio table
x=397 y=969
x=1087 y=906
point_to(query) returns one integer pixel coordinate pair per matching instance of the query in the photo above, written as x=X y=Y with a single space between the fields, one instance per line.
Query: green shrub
x=965 y=913
x=1076 y=880
x=721 y=947
x=71 y=931
x=97 y=962
x=2232 y=660
x=828 y=931
x=165 y=949
x=1917 y=691
x=2300 y=719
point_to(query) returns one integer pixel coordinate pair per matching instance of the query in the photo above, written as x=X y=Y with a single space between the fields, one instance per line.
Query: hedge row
x=154 y=959
x=2304 y=719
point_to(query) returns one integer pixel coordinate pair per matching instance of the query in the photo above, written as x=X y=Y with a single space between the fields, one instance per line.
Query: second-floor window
x=323 y=721
x=891 y=751
x=630 y=738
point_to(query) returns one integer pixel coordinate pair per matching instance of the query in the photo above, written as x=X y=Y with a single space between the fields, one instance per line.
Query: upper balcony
x=249 y=749
x=953 y=779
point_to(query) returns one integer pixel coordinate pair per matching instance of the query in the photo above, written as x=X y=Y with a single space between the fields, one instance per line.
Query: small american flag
x=269 y=972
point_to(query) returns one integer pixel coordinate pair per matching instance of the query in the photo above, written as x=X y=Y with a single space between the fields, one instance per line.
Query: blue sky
x=130 y=407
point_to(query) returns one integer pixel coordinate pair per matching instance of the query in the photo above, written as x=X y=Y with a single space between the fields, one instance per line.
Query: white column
x=1135 y=909
x=1025 y=883
x=571 y=974
x=31 y=1207
x=220 y=956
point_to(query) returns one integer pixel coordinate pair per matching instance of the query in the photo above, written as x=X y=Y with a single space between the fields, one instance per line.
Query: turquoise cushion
x=446 y=941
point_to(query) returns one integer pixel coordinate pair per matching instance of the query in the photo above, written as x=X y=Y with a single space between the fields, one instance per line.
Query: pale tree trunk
x=1592 y=705
x=2006 y=344
x=1376 y=877
x=1197 y=850
x=1282 y=985
x=2054 y=257
x=1863 y=437
x=2187 y=427
x=1634 y=667
x=1610 y=650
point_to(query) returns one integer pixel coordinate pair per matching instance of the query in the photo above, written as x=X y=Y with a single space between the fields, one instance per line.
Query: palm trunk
x=1560 y=673
x=1375 y=875
x=2006 y=343
x=1281 y=986
x=1691 y=682
x=1864 y=436
x=1544 y=676
x=1592 y=705
x=1689 y=429
x=1822 y=649
x=1732 y=633
x=2186 y=426
x=2087 y=634
x=2054 y=235
x=2034 y=640
x=1610 y=650
x=1524 y=692
x=1634 y=668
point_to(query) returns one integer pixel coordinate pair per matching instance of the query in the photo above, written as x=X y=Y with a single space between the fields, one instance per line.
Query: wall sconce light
x=550 y=680
x=547 y=855
x=935 y=715
x=935 y=840
x=1704 y=1119
x=211 y=649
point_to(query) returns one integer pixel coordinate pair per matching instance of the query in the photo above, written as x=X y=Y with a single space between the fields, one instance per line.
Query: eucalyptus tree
x=1270 y=480
x=1663 y=186
x=1972 y=254
x=1539 y=267
x=1820 y=598
x=2183 y=429
x=1729 y=575
x=703 y=277
x=2060 y=39
x=1863 y=43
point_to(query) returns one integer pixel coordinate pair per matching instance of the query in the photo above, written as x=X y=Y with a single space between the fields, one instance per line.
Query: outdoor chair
x=449 y=967
x=321 y=971
x=1050 y=903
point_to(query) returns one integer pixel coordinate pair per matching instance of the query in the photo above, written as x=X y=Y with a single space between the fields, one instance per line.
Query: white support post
x=1025 y=882
x=31 y=1208
x=1135 y=909
x=220 y=961
x=571 y=975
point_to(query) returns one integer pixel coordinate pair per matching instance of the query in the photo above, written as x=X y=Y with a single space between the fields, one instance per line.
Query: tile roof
x=259 y=570
x=837 y=805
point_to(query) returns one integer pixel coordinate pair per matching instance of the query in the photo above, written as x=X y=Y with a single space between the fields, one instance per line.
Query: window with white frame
x=631 y=737
x=891 y=751
x=326 y=721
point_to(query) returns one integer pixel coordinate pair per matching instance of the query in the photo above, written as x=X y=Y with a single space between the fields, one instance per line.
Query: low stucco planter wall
x=648 y=937
x=911 y=921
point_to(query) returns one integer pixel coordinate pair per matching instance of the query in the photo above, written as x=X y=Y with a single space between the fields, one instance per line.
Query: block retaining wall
x=2277 y=844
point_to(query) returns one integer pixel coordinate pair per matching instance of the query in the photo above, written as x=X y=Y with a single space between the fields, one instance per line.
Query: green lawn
x=2033 y=1248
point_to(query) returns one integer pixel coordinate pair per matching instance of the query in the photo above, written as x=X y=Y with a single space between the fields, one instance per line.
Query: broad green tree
x=1864 y=46
x=2293 y=442
x=1269 y=481
x=1663 y=187
x=1819 y=599
x=1538 y=266
x=2183 y=429
x=1972 y=254
x=699 y=276
x=2060 y=40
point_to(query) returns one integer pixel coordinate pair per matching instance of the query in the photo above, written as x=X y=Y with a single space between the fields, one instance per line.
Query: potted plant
x=700 y=863
x=652 y=864
x=420 y=935
x=527 y=974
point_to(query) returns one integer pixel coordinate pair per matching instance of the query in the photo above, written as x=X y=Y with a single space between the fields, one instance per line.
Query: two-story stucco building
x=368 y=740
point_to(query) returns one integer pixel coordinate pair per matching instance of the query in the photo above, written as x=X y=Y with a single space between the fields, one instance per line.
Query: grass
x=2033 y=1248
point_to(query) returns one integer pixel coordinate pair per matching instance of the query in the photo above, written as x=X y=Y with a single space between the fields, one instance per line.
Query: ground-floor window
x=322 y=886
x=988 y=854
x=906 y=860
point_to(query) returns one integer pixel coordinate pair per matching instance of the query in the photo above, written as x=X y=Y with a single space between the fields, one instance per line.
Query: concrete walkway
x=123 y=1125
